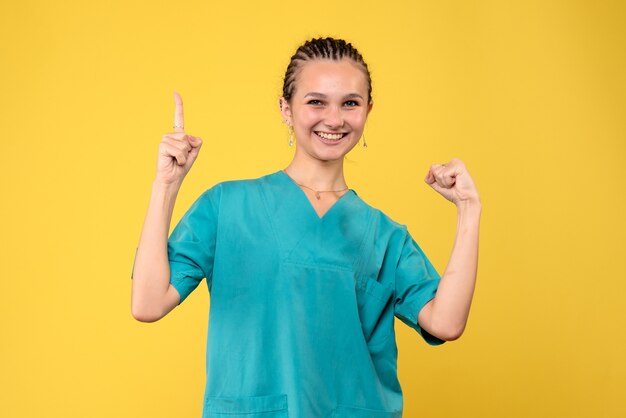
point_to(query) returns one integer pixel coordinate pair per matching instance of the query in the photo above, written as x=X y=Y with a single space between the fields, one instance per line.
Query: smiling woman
x=326 y=105
x=304 y=275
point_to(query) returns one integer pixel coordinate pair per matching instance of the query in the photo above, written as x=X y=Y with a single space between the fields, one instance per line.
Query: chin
x=331 y=155
x=332 y=152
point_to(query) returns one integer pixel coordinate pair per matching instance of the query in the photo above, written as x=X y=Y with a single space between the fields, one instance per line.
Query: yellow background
x=530 y=95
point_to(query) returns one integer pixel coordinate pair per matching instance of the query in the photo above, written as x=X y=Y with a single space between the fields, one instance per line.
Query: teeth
x=333 y=137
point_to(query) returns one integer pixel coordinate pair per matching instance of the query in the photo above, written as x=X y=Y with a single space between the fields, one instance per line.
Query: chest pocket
x=337 y=301
x=269 y=406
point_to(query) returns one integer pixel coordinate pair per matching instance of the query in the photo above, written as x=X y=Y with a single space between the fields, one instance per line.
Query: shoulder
x=385 y=226
x=233 y=189
x=240 y=185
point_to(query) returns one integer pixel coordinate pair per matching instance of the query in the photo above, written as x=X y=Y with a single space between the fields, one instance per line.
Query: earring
x=290 y=135
x=364 y=143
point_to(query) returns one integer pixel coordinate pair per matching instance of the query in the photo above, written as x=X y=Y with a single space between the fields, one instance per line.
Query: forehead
x=328 y=76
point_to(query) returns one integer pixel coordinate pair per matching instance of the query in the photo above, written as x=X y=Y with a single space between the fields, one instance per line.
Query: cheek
x=306 y=117
x=358 y=120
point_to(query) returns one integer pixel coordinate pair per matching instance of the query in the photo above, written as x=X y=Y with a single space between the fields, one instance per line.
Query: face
x=328 y=108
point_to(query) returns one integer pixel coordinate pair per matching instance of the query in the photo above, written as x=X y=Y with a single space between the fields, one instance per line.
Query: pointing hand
x=177 y=149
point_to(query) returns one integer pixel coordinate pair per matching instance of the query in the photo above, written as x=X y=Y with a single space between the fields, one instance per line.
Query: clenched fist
x=177 y=149
x=453 y=181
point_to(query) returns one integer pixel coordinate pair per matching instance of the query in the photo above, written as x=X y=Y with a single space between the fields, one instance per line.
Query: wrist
x=167 y=191
x=469 y=206
x=164 y=186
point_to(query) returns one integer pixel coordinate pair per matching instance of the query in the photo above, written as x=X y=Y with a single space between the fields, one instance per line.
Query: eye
x=314 y=102
x=352 y=103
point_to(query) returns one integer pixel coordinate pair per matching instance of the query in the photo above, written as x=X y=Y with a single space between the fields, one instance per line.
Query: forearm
x=151 y=267
x=452 y=302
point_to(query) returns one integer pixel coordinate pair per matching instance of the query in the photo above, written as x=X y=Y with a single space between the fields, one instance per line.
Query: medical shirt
x=301 y=307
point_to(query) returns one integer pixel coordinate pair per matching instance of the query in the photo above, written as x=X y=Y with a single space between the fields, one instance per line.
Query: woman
x=305 y=278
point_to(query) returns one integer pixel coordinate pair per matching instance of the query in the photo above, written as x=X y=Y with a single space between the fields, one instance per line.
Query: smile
x=331 y=136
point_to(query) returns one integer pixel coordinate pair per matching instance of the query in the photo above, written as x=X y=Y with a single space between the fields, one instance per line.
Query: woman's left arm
x=445 y=316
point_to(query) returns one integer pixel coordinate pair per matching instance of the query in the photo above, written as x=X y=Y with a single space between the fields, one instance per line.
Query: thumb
x=196 y=143
x=432 y=183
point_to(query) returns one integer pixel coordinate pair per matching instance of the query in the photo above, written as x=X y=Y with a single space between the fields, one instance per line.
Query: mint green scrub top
x=301 y=319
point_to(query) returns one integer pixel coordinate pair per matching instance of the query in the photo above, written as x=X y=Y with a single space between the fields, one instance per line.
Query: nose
x=333 y=118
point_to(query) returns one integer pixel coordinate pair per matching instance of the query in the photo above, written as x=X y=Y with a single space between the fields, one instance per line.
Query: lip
x=330 y=141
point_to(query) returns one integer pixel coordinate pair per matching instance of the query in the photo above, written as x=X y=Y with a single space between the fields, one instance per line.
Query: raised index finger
x=179 y=119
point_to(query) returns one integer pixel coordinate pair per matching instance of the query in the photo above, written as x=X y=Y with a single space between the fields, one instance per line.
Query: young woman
x=305 y=278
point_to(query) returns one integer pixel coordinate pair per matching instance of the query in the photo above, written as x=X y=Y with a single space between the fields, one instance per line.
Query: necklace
x=317 y=192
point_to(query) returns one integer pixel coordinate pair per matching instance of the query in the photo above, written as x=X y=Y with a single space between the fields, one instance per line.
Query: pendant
x=317 y=194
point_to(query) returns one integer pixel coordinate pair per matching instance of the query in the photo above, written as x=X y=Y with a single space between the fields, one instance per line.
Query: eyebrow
x=323 y=96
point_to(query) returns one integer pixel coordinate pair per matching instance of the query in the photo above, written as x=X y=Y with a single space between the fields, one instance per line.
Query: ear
x=369 y=107
x=285 y=110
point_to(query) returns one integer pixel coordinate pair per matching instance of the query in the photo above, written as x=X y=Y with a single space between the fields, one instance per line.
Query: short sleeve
x=191 y=245
x=416 y=284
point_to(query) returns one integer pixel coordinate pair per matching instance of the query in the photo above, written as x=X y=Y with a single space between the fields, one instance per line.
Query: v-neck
x=308 y=202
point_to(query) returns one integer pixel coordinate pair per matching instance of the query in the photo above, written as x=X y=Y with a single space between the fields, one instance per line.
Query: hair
x=323 y=48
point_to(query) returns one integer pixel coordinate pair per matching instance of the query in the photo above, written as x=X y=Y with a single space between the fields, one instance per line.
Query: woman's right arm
x=152 y=295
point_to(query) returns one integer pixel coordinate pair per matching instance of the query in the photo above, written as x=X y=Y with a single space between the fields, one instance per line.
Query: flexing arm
x=445 y=316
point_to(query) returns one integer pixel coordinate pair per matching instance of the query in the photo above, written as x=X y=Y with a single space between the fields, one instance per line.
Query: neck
x=318 y=175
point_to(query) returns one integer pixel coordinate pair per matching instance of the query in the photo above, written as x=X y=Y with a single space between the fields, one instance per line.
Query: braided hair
x=323 y=48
